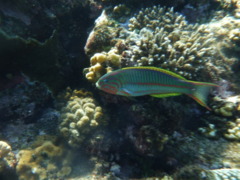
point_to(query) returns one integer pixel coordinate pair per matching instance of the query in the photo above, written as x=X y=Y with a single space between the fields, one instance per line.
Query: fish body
x=157 y=82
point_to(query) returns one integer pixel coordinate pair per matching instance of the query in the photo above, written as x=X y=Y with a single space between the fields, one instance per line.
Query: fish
x=153 y=81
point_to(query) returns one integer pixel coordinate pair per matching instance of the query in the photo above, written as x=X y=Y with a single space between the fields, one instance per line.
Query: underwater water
x=120 y=89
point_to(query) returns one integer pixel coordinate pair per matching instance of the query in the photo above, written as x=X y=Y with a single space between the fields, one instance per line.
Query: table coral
x=81 y=116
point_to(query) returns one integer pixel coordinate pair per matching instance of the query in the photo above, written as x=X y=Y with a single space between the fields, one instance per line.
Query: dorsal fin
x=156 y=69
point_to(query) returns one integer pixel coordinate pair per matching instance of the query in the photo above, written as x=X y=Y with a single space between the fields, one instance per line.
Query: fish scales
x=153 y=82
x=156 y=82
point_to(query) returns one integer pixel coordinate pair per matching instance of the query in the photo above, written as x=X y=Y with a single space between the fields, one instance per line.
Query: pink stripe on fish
x=165 y=85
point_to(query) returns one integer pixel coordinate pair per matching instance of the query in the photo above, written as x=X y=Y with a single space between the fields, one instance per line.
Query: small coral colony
x=127 y=120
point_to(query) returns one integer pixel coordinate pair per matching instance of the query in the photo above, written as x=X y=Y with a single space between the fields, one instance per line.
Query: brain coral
x=160 y=37
x=80 y=116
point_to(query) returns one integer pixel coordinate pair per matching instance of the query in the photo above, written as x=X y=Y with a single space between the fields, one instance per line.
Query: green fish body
x=157 y=82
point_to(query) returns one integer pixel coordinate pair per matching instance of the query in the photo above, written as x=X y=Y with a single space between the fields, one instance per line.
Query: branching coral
x=160 y=37
x=231 y=4
x=80 y=117
x=164 y=39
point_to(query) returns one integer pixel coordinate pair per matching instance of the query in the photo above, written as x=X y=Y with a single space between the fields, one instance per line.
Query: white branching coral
x=160 y=37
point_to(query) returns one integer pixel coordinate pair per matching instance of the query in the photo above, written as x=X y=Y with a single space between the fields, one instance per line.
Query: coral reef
x=37 y=53
x=226 y=122
x=98 y=62
x=46 y=161
x=7 y=161
x=102 y=35
x=160 y=37
x=147 y=138
x=4 y=149
x=233 y=131
x=231 y=5
x=25 y=101
x=44 y=41
x=226 y=106
x=49 y=121
x=216 y=174
x=80 y=117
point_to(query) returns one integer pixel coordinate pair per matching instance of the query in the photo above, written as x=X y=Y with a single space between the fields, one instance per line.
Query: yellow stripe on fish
x=157 y=82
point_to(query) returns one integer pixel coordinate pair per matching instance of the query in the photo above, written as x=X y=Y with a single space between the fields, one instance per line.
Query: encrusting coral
x=80 y=116
x=43 y=162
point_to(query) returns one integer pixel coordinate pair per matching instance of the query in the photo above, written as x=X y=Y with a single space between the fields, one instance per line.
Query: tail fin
x=200 y=92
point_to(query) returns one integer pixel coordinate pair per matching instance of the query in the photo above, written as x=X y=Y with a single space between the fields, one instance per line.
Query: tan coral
x=233 y=132
x=80 y=117
x=100 y=64
x=7 y=158
x=226 y=107
x=231 y=4
x=210 y=131
x=5 y=148
x=41 y=163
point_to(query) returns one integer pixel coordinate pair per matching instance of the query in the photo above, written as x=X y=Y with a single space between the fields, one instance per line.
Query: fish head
x=108 y=84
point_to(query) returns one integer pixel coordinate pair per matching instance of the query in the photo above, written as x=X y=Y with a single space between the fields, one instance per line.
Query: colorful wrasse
x=157 y=82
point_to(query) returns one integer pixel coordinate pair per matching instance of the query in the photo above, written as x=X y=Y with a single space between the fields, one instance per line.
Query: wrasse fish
x=156 y=82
